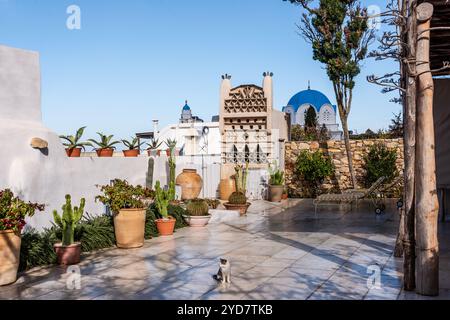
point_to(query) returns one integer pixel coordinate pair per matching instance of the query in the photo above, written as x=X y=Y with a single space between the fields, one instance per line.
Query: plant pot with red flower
x=68 y=251
x=105 y=146
x=166 y=224
x=134 y=147
x=13 y=212
x=73 y=144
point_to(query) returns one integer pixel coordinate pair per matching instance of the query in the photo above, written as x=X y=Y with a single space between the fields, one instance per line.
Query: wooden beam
x=427 y=206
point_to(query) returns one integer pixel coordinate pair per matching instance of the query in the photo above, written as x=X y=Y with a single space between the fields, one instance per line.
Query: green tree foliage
x=396 y=126
x=311 y=118
x=378 y=162
x=339 y=34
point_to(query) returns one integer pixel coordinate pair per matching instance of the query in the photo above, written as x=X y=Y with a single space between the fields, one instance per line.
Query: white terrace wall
x=336 y=151
x=47 y=176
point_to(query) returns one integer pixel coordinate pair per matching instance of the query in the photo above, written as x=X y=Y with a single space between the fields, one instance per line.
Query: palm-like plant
x=73 y=142
x=171 y=144
x=154 y=144
x=105 y=141
x=132 y=144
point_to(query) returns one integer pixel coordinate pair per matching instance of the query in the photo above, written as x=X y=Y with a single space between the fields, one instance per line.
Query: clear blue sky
x=136 y=60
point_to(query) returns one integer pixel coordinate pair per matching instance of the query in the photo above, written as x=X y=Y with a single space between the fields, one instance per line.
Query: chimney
x=268 y=89
x=155 y=127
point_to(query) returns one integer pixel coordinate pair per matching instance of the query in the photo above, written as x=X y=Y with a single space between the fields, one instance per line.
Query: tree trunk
x=349 y=152
x=398 y=251
x=409 y=118
x=427 y=206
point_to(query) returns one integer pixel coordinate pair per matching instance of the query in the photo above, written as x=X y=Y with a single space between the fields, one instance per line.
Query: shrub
x=313 y=168
x=378 y=162
x=122 y=195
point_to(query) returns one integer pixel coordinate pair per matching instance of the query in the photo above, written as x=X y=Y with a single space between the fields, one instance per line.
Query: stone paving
x=279 y=251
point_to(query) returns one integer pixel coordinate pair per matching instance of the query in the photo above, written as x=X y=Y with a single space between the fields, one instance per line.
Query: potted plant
x=105 y=147
x=166 y=224
x=125 y=202
x=276 y=184
x=238 y=199
x=13 y=212
x=197 y=213
x=153 y=147
x=213 y=203
x=171 y=145
x=68 y=251
x=133 y=146
x=74 y=145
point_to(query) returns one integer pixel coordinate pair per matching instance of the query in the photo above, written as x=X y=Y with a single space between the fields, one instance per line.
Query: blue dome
x=186 y=107
x=312 y=97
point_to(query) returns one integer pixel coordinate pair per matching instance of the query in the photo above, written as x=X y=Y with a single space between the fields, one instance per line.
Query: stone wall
x=336 y=151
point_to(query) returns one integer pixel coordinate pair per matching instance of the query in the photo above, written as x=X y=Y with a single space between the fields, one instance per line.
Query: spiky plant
x=162 y=200
x=69 y=219
x=73 y=142
x=237 y=198
x=154 y=144
x=276 y=176
x=197 y=207
x=240 y=178
x=132 y=144
x=104 y=142
x=171 y=144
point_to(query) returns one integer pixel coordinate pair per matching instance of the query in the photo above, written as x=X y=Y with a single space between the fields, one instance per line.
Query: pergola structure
x=425 y=34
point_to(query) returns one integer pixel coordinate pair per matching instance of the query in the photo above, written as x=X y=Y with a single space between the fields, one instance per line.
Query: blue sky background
x=138 y=60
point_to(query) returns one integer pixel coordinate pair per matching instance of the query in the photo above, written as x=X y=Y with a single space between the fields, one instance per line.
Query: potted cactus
x=105 y=147
x=166 y=224
x=68 y=251
x=13 y=212
x=133 y=146
x=74 y=145
x=238 y=199
x=128 y=208
x=197 y=213
x=276 y=184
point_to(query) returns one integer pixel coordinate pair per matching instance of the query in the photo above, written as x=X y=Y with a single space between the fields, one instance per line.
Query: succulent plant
x=132 y=144
x=197 y=207
x=240 y=178
x=237 y=198
x=72 y=142
x=69 y=219
x=105 y=141
x=162 y=200
x=154 y=144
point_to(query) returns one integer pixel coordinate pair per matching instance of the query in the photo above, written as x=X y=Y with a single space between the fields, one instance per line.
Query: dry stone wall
x=336 y=151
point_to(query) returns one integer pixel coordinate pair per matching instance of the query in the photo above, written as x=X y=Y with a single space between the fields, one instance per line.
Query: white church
x=326 y=112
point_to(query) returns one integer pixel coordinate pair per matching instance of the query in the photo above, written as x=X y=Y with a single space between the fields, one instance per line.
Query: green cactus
x=69 y=219
x=150 y=169
x=162 y=200
x=240 y=178
x=197 y=207
x=237 y=198
x=172 y=168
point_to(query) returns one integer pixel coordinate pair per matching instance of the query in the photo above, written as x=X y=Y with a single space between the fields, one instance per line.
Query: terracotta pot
x=165 y=226
x=152 y=153
x=197 y=221
x=158 y=153
x=226 y=188
x=275 y=193
x=242 y=208
x=68 y=255
x=131 y=153
x=9 y=256
x=285 y=196
x=105 y=153
x=74 y=152
x=168 y=152
x=129 y=227
x=191 y=184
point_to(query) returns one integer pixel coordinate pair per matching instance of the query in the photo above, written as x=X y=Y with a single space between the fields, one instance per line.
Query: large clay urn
x=191 y=184
x=9 y=256
x=129 y=227
x=226 y=188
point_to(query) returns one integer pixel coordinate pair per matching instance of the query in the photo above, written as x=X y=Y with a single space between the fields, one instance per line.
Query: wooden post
x=427 y=206
x=409 y=118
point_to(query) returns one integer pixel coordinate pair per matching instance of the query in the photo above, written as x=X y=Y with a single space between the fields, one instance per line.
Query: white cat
x=224 y=273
